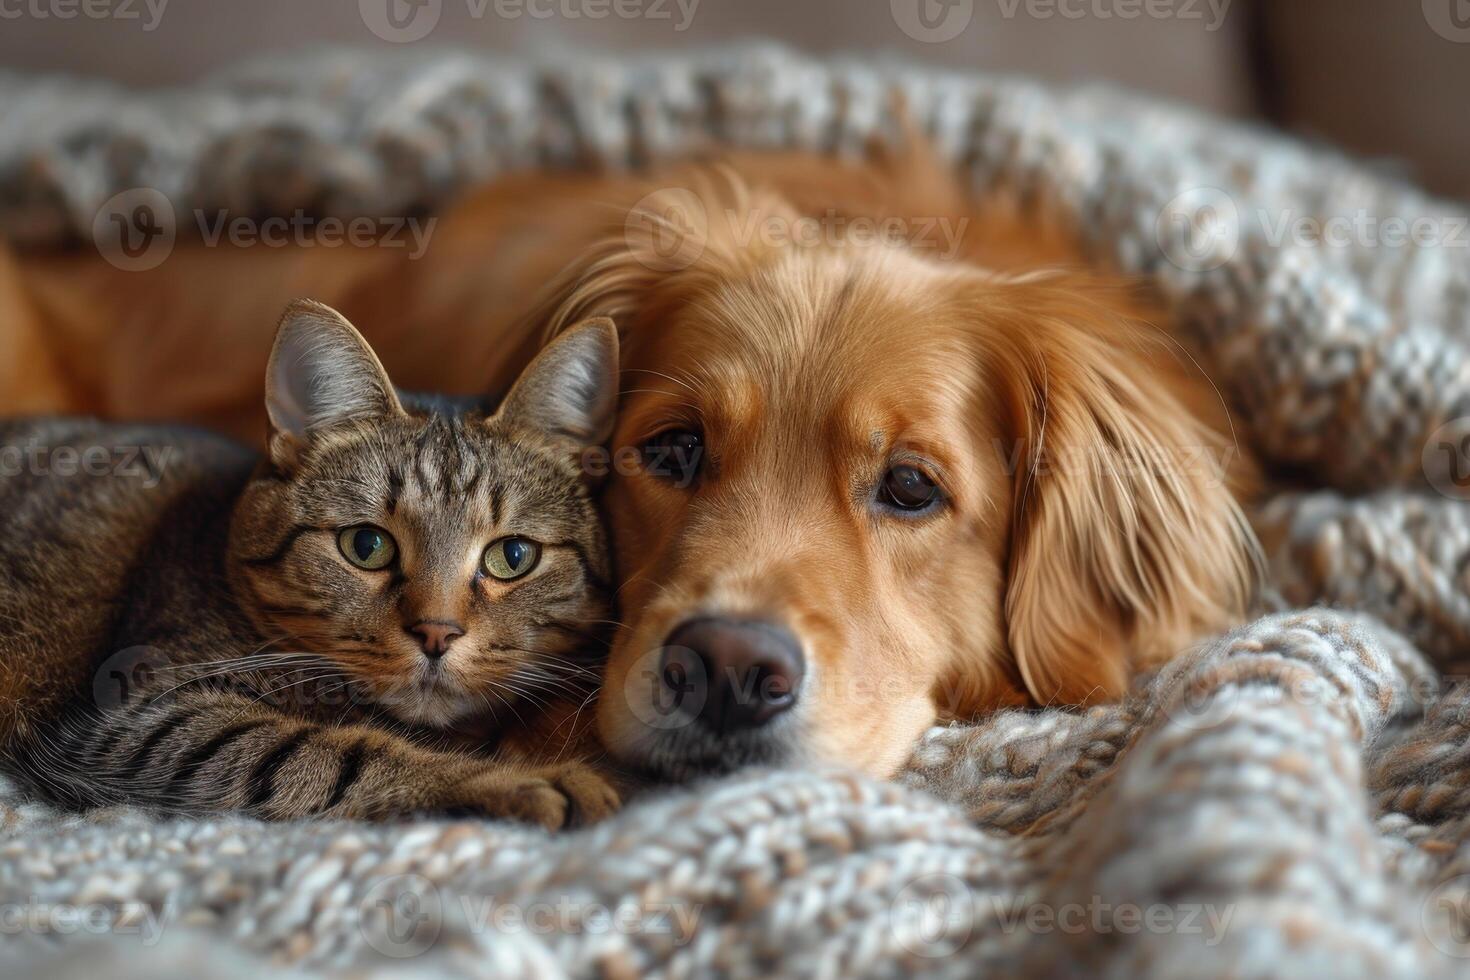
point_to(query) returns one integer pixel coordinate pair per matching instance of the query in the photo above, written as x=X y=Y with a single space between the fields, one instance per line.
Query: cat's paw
x=553 y=797
x=592 y=797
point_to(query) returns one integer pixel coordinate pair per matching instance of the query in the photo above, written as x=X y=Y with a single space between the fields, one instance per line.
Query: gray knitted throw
x=1292 y=799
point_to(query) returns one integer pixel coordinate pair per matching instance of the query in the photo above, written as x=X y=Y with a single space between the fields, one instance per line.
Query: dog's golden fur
x=1091 y=525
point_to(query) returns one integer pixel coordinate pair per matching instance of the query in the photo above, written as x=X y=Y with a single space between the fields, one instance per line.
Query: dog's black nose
x=732 y=674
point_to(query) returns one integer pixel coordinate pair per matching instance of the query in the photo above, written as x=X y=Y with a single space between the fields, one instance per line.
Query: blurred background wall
x=1387 y=79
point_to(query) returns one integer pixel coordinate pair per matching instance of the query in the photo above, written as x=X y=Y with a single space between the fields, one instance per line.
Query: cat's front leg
x=211 y=751
x=552 y=796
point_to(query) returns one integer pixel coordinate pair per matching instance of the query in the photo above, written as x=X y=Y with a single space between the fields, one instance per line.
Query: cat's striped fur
x=188 y=632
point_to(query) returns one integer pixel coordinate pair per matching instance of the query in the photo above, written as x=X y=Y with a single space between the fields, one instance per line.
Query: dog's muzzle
x=731 y=675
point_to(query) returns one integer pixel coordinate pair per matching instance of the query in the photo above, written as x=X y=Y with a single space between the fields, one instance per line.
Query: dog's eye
x=908 y=488
x=675 y=455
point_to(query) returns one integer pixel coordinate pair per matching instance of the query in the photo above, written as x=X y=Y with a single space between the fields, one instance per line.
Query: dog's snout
x=732 y=674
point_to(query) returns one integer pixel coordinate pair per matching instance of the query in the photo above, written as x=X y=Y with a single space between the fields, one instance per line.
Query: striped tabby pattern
x=390 y=614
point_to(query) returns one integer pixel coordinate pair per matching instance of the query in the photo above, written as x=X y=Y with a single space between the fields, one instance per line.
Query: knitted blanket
x=1290 y=799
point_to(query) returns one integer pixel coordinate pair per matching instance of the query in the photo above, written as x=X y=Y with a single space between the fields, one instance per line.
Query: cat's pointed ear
x=321 y=372
x=570 y=391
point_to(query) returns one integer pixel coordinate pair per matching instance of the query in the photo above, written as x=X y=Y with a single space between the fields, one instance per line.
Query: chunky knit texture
x=1290 y=799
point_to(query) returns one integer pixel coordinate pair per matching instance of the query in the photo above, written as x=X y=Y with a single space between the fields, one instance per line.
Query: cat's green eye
x=511 y=558
x=367 y=547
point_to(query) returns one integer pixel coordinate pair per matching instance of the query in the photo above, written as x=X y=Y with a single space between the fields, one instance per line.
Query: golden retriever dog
x=885 y=455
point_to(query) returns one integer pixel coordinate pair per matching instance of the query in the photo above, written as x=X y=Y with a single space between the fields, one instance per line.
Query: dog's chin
x=692 y=753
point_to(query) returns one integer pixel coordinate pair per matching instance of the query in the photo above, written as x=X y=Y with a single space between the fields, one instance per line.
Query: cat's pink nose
x=435 y=635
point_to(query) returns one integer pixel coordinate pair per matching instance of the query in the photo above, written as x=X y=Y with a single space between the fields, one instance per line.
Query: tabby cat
x=191 y=628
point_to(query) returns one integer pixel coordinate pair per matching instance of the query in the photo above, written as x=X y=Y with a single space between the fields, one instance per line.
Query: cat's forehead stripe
x=395 y=488
x=443 y=473
x=448 y=461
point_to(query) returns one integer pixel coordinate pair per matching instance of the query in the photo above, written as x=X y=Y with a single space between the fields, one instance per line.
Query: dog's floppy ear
x=570 y=391
x=1127 y=542
x=321 y=373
